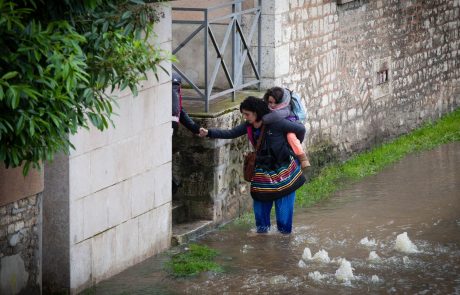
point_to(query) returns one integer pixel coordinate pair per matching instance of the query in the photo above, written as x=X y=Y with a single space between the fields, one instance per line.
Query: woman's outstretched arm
x=226 y=133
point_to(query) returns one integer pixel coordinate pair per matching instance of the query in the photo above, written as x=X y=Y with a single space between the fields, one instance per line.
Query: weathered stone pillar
x=275 y=44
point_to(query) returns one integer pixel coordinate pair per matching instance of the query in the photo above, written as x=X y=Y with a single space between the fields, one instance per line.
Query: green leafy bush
x=59 y=61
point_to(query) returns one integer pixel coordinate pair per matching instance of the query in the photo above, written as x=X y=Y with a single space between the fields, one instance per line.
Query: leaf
x=9 y=75
x=126 y=15
x=31 y=128
x=20 y=124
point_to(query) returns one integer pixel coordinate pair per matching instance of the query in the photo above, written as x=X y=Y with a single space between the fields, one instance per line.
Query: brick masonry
x=20 y=227
x=337 y=50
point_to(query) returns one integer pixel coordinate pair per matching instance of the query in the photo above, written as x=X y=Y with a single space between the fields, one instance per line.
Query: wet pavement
x=351 y=238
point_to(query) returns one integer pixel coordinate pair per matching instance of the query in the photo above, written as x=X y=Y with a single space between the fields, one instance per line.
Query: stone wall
x=20 y=240
x=107 y=205
x=336 y=52
x=210 y=170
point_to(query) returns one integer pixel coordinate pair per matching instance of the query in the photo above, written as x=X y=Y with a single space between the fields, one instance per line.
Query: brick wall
x=335 y=52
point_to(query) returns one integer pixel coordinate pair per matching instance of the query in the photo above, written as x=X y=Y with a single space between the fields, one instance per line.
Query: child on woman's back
x=278 y=100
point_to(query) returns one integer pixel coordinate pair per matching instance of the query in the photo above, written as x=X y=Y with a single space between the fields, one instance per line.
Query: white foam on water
x=301 y=264
x=306 y=254
x=280 y=279
x=316 y=276
x=374 y=257
x=245 y=249
x=321 y=256
x=406 y=260
x=404 y=244
x=375 y=279
x=345 y=271
x=366 y=242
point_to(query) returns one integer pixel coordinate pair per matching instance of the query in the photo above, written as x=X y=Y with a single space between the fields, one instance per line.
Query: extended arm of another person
x=185 y=120
x=298 y=128
x=227 y=133
x=276 y=115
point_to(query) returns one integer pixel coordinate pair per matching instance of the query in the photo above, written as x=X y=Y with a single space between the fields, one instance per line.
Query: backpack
x=298 y=108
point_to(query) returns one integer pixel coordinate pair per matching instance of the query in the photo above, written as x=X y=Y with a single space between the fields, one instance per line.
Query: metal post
x=235 y=83
x=206 y=34
x=259 y=41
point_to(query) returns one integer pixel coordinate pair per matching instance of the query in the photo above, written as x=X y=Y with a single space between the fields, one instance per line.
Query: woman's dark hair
x=276 y=92
x=256 y=105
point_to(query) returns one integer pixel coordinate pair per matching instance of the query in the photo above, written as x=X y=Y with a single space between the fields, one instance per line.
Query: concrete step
x=184 y=232
x=179 y=212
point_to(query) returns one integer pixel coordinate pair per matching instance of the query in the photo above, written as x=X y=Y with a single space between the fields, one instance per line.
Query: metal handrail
x=233 y=31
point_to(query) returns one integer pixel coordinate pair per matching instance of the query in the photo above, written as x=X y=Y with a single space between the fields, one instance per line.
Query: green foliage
x=331 y=178
x=58 y=60
x=195 y=260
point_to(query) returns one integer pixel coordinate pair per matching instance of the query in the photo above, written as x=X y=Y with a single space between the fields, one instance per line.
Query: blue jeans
x=284 y=208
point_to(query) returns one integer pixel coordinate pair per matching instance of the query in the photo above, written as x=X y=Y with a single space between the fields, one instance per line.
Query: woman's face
x=249 y=116
x=271 y=102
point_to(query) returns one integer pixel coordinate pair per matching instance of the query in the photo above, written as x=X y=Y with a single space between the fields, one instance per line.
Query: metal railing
x=240 y=49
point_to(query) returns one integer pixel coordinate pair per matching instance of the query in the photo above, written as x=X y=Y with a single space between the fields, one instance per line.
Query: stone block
x=81 y=266
x=163 y=230
x=160 y=76
x=272 y=31
x=80 y=141
x=95 y=217
x=118 y=203
x=163 y=104
x=76 y=221
x=148 y=148
x=163 y=144
x=145 y=107
x=103 y=168
x=127 y=243
x=122 y=120
x=162 y=182
x=162 y=29
x=125 y=164
x=147 y=234
x=270 y=7
x=104 y=255
x=143 y=192
x=79 y=176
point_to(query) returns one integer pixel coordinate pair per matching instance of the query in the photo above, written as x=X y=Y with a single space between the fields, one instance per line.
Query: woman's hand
x=203 y=132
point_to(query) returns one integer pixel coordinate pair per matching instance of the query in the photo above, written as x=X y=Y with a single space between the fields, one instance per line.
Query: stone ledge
x=218 y=106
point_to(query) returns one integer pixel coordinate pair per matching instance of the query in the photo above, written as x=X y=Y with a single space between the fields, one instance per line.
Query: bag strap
x=259 y=140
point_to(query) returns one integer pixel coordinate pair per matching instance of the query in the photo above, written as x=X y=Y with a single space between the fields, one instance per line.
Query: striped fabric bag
x=270 y=185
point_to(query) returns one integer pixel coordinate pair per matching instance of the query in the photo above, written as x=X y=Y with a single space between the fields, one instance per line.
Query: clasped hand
x=203 y=132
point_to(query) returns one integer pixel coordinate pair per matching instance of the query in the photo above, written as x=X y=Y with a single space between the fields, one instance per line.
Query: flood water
x=419 y=196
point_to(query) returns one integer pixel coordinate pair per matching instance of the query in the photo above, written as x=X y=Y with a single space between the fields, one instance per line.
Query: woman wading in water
x=277 y=171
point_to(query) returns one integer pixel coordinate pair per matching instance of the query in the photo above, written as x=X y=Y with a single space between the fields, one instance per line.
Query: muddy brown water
x=419 y=195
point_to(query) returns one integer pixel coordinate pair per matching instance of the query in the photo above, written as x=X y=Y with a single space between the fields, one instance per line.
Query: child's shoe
x=304 y=162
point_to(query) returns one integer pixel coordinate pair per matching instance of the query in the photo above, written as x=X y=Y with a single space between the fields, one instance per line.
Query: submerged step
x=184 y=232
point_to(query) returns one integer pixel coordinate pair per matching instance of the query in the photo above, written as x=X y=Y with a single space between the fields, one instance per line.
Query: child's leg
x=295 y=143
x=298 y=150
